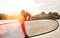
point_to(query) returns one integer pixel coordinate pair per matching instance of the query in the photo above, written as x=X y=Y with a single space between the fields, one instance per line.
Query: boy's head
x=24 y=13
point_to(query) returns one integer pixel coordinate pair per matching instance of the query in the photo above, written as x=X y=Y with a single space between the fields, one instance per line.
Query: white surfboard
x=12 y=29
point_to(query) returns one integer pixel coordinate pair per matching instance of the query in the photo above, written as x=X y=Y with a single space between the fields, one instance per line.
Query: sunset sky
x=32 y=6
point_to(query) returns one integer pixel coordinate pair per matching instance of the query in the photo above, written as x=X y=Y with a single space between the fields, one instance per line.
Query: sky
x=32 y=6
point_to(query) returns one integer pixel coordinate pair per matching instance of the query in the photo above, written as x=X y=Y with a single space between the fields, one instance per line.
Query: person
x=24 y=16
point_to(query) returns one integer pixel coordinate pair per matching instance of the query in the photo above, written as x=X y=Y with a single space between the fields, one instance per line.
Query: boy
x=24 y=16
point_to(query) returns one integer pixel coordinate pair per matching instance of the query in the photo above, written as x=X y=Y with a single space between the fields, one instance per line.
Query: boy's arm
x=28 y=18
